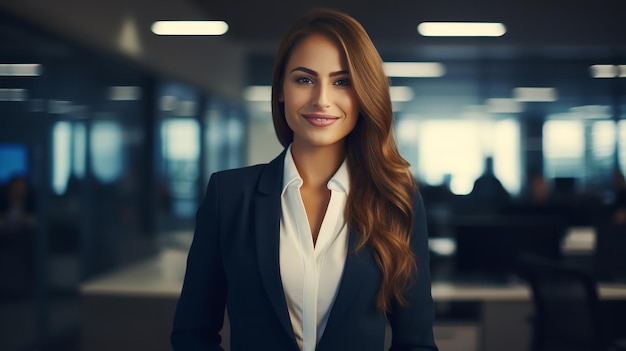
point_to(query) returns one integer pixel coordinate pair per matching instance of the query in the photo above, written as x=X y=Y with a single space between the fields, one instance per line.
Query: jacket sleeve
x=199 y=313
x=412 y=325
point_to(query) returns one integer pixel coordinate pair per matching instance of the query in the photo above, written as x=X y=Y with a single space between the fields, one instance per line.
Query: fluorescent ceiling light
x=124 y=93
x=401 y=94
x=608 y=71
x=461 y=29
x=504 y=105
x=20 y=69
x=189 y=27
x=414 y=69
x=535 y=94
x=8 y=94
x=604 y=71
x=258 y=93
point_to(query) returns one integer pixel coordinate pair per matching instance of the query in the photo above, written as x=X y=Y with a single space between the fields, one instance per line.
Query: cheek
x=294 y=99
x=350 y=105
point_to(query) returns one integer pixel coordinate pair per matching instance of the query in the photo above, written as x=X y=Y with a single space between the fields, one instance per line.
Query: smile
x=319 y=120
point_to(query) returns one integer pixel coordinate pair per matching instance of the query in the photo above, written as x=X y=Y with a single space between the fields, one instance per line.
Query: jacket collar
x=267 y=230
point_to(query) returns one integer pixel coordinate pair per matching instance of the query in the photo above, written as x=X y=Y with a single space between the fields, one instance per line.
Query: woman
x=323 y=246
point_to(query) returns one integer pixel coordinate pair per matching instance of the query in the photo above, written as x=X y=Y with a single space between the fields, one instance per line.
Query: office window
x=106 y=144
x=602 y=151
x=450 y=148
x=506 y=154
x=457 y=149
x=79 y=149
x=583 y=149
x=181 y=153
x=61 y=160
x=564 y=148
x=224 y=136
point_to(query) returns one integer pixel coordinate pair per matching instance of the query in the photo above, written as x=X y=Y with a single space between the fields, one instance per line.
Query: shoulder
x=235 y=174
x=242 y=179
x=267 y=176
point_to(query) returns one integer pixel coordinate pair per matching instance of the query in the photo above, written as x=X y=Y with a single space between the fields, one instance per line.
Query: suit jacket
x=233 y=262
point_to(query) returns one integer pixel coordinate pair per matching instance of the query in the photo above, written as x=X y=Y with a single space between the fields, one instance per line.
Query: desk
x=484 y=292
x=504 y=311
x=132 y=309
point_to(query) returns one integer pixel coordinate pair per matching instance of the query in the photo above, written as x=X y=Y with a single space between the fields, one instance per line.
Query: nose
x=321 y=99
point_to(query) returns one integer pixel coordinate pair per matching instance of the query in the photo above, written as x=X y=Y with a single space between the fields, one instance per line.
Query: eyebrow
x=313 y=73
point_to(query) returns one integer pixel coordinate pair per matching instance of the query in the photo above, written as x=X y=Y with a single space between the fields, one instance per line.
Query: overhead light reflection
x=20 y=69
x=414 y=69
x=535 y=94
x=504 y=105
x=604 y=71
x=124 y=93
x=258 y=93
x=401 y=94
x=461 y=29
x=189 y=27
x=8 y=94
x=608 y=71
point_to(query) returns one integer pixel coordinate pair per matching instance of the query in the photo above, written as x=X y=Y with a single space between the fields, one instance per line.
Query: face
x=320 y=103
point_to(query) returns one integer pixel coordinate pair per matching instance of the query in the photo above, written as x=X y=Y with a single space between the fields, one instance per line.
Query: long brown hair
x=379 y=207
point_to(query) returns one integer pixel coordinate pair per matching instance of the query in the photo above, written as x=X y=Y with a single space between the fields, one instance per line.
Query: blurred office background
x=109 y=133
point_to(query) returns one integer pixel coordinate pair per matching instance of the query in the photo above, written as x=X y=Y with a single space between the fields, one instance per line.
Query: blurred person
x=17 y=206
x=326 y=244
x=488 y=191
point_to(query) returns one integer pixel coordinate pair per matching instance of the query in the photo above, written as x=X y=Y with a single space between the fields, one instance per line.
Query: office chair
x=567 y=315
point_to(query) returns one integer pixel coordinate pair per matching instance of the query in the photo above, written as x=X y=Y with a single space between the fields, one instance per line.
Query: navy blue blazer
x=233 y=262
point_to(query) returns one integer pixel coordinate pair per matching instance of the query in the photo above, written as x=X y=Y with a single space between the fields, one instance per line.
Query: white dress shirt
x=311 y=273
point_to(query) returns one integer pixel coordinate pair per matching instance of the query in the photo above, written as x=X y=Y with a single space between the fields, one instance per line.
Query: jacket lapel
x=267 y=231
x=357 y=270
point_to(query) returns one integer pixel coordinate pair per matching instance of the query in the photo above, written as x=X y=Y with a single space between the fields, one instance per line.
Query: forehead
x=317 y=50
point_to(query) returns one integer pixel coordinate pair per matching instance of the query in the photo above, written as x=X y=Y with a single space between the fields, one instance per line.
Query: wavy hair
x=379 y=207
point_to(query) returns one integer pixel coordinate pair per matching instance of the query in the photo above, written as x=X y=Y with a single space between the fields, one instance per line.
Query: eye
x=304 y=80
x=343 y=82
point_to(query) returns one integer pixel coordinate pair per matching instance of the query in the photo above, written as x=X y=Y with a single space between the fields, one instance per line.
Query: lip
x=320 y=119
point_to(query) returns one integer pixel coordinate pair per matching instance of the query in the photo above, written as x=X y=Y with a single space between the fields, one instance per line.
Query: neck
x=316 y=165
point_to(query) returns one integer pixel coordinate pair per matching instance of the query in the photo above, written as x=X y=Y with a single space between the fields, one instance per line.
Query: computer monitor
x=13 y=161
x=489 y=248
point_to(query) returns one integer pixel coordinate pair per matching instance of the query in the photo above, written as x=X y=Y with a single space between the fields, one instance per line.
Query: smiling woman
x=333 y=229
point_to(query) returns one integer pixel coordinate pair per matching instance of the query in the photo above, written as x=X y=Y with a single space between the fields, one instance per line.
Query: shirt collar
x=340 y=181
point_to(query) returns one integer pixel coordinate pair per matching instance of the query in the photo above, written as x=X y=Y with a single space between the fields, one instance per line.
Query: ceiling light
x=189 y=27
x=401 y=94
x=535 y=94
x=461 y=29
x=8 y=94
x=608 y=71
x=604 y=71
x=124 y=93
x=20 y=69
x=258 y=93
x=504 y=105
x=414 y=69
